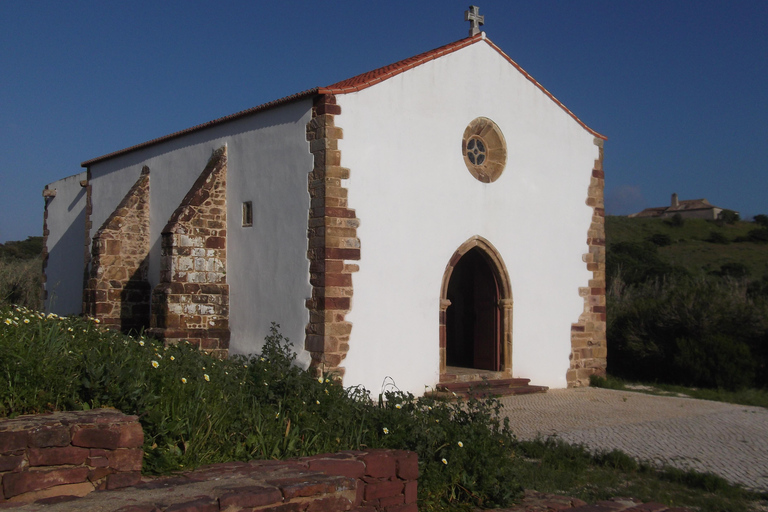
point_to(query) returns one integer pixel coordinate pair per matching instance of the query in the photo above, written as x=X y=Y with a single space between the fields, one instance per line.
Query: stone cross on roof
x=475 y=19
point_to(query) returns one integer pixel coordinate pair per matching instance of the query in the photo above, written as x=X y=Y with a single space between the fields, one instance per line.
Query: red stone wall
x=332 y=239
x=62 y=457
x=68 y=453
x=191 y=302
x=117 y=291
x=589 y=351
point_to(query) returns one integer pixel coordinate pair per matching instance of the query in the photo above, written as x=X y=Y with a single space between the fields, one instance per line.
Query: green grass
x=197 y=410
x=690 y=248
x=752 y=397
x=552 y=466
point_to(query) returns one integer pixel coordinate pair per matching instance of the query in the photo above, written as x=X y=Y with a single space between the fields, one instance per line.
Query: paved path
x=725 y=439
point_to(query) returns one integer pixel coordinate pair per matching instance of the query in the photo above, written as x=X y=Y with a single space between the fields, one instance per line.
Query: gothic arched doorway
x=476 y=310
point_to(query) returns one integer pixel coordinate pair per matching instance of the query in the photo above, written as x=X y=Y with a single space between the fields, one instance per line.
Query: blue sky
x=679 y=87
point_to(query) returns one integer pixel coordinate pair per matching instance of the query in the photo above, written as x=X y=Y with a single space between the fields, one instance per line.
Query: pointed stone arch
x=493 y=258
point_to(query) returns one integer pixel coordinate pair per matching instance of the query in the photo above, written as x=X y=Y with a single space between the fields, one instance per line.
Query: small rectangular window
x=247 y=213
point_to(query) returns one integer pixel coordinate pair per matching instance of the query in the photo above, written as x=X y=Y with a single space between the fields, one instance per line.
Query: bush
x=659 y=239
x=732 y=269
x=758 y=235
x=21 y=282
x=198 y=410
x=637 y=263
x=717 y=237
x=728 y=217
x=27 y=249
x=761 y=220
x=695 y=332
x=676 y=221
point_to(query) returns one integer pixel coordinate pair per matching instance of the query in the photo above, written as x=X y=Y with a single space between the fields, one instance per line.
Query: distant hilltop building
x=688 y=209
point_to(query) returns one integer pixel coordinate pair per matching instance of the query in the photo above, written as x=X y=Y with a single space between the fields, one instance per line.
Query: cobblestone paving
x=725 y=439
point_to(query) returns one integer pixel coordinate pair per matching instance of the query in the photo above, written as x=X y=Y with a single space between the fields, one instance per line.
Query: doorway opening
x=476 y=313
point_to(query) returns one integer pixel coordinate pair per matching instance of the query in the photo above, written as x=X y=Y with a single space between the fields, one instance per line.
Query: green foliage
x=702 y=332
x=758 y=235
x=732 y=269
x=21 y=282
x=27 y=249
x=716 y=237
x=728 y=217
x=677 y=221
x=637 y=263
x=660 y=239
x=553 y=466
x=197 y=410
x=761 y=220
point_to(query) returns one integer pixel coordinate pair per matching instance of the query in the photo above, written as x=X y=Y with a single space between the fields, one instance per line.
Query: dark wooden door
x=473 y=324
x=486 y=328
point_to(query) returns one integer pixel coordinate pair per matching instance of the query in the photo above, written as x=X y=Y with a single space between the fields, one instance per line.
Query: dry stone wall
x=56 y=460
x=332 y=240
x=117 y=291
x=68 y=453
x=589 y=351
x=191 y=302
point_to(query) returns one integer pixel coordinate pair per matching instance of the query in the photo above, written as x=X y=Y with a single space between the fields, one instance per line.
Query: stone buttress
x=589 y=350
x=117 y=290
x=332 y=239
x=191 y=302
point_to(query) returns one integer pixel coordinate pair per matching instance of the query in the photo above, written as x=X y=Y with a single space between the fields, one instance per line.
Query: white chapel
x=392 y=224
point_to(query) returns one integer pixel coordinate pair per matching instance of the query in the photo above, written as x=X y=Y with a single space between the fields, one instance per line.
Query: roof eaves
x=365 y=80
x=545 y=91
x=231 y=117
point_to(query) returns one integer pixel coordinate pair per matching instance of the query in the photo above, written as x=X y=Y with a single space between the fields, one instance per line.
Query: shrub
x=761 y=220
x=198 y=410
x=717 y=237
x=676 y=221
x=758 y=235
x=678 y=330
x=659 y=239
x=21 y=282
x=636 y=263
x=728 y=217
x=732 y=269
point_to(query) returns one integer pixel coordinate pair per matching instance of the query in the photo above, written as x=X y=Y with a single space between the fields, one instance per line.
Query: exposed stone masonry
x=589 y=350
x=48 y=195
x=117 y=290
x=191 y=302
x=332 y=239
x=68 y=453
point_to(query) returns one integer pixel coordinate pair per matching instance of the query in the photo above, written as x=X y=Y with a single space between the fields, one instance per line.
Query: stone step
x=488 y=388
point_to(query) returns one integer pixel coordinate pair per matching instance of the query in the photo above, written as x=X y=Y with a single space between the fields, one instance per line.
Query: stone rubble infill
x=725 y=439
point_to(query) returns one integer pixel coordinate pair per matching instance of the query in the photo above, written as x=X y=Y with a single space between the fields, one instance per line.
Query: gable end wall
x=589 y=350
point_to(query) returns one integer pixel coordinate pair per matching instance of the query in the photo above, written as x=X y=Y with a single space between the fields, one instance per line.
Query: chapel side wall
x=63 y=232
x=268 y=162
x=418 y=204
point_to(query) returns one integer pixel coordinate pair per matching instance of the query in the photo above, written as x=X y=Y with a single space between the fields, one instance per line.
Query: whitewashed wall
x=418 y=203
x=268 y=163
x=66 y=246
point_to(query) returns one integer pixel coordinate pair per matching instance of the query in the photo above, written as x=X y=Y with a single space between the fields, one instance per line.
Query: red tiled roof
x=354 y=84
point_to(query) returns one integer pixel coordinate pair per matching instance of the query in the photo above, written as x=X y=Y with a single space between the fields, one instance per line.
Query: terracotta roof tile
x=354 y=84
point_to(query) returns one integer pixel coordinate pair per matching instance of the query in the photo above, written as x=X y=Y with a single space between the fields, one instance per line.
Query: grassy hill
x=700 y=246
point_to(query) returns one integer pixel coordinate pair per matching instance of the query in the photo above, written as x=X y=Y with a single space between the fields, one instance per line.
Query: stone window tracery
x=484 y=150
